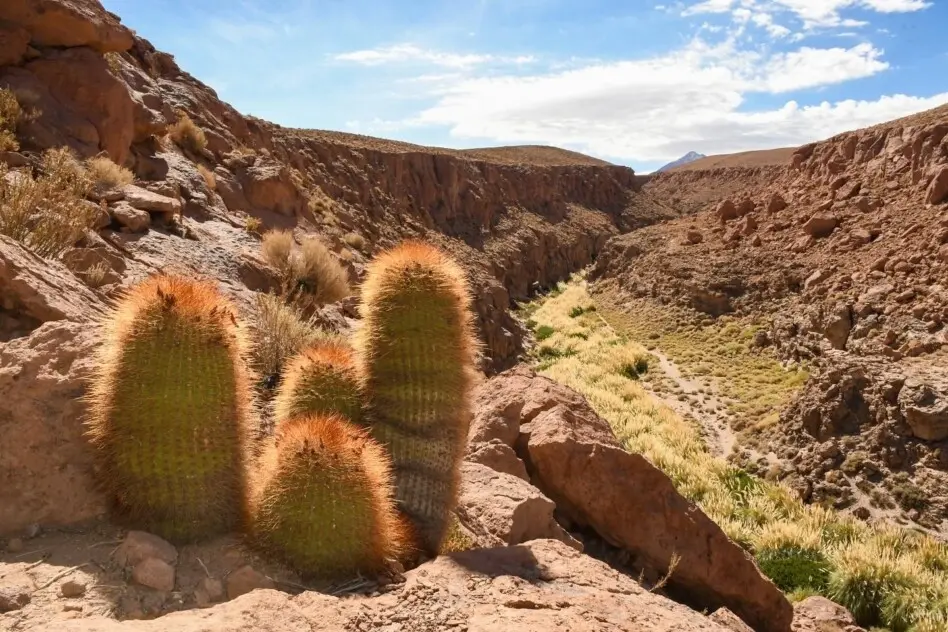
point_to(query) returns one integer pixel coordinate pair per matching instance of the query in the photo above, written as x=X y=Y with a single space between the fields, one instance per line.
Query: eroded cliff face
x=517 y=221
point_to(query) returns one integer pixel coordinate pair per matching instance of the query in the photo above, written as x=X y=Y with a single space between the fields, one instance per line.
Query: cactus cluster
x=362 y=467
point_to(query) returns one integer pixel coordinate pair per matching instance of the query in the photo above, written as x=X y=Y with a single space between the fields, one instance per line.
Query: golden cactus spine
x=323 y=501
x=169 y=409
x=417 y=355
x=321 y=380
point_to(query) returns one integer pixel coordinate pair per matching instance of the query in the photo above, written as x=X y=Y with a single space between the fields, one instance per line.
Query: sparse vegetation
x=186 y=134
x=10 y=115
x=209 y=178
x=253 y=225
x=48 y=213
x=281 y=332
x=354 y=240
x=311 y=276
x=543 y=332
x=885 y=576
x=754 y=384
x=106 y=174
x=96 y=275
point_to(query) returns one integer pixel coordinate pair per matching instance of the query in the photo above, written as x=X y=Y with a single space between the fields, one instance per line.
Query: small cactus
x=320 y=380
x=322 y=499
x=169 y=409
x=417 y=355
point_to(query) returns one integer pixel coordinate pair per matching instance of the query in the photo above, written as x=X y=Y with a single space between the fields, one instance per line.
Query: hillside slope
x=842 y=254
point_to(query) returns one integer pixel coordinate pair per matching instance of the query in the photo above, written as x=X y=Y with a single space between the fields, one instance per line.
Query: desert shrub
x=280 y=332
x=209 y=178
x=114 y=60
x=276 y=248
x=47 y=214
x=316 y=275
x=10 y=115
x=576 y=312
x=311 y=276
x=862 y=577
x=908 y=494
x=106 y=174
x=456 y=540
x=854 y=462
x=253 y=225
x=543 y=332
x=187 y=134
x=354 y=240
x=96 y=275
x=793 y=568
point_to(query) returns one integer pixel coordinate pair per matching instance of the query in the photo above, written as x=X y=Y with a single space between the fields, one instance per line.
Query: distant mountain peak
x=691 y=156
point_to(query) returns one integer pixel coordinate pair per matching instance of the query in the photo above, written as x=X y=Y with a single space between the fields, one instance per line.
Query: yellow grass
x=106 y=174
x=584 y=352
x=209 y=178
x=311 y=275
x=186 y=134
x=10 y=114
x=48 y=213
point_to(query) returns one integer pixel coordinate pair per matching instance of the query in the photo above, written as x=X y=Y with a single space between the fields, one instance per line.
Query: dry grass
x=253 y=225
x=96 y=276
x=354 y=240
x=281 y=331
x=753 y=381
x=47 y=214
x=311 y=275
x=10 y=115
x=187 y=135
x=806 y=548
x=209 y=178
x=106 y=174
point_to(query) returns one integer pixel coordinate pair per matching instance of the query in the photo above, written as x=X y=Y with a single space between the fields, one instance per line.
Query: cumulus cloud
x=659 y=108
x=812 y=13
x=407 y=53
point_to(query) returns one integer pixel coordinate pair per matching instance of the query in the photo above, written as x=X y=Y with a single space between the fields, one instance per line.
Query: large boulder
x=925 y=409
x=46 y=466
x=575 y=459
x=40 y=290
x=67 y=23
x=508 y=507
x=544 y=585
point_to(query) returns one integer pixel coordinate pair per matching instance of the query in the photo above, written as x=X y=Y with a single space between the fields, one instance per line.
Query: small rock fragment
x=244 y=580
x=154 y=573
x=14 y=545
x=208 y=591
x=139 y=545
x=72 y=588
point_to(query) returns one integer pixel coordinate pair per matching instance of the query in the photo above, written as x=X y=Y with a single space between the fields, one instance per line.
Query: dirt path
x=699 y=403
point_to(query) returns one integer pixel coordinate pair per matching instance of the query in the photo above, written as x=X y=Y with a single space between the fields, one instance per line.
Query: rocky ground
x=843 y=252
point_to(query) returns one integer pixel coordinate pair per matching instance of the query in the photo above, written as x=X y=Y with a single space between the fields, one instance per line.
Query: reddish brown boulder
x=726 y=211
x=68 y=23
x=938 y=189
x=46 y=466
x=498 y=456
x=574 y=458
x=776 y=203
x=80 y=83
x=509 y=507
x=819 y=226
x=267 y=186
x=693 y=236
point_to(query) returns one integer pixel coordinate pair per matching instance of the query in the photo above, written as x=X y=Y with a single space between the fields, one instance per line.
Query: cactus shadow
x=517 y=560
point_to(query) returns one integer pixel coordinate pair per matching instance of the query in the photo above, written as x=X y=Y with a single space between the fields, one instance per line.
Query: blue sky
x=634 y=82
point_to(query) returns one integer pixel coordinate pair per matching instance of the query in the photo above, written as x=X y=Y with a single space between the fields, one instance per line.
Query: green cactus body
x=323 y=499
x=320 y=380
x=417 y=355
x=169 y=408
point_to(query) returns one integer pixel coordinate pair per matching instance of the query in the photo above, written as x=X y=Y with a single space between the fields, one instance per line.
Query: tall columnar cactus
x=320 y=380
x=323 y=499
x=169 y=409
x=417 y=352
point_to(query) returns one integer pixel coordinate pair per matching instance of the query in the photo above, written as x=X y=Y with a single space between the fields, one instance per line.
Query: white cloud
x=813 y=13
x=409 y=53
x=659 y=108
